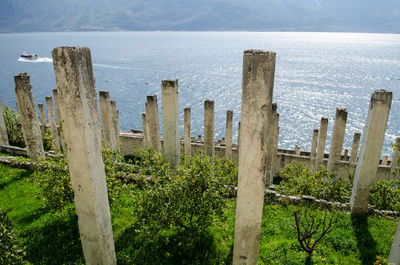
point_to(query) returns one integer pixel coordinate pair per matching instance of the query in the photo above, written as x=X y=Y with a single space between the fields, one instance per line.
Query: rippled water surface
x=315 y=74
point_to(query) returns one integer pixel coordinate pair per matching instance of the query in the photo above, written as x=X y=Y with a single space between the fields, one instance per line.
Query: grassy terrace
x=50 y=236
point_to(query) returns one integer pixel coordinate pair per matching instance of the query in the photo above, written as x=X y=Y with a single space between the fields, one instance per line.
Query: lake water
x=315 y=74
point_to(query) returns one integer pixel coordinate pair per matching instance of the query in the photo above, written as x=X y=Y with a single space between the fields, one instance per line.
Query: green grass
x=53 y=238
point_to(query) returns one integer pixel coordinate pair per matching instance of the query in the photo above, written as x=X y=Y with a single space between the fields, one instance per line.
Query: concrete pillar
x=346 y=155
x=76 y=85
x=186 y=129
x=319 y=157
x=372 y=141
x=209 y=127
x=394 y=256
x=395 y=159
x=3 y=128
x=257 y=85
x=170 y=116
x=269 y=144
x=339 y=128
x=59 y=117
x=385 y=160
x=238 y=139
x=108 y=131
x=229 y=134
x=118 y=128
x=153 y=124
x=297 y=150
x=28 y=116
x=354 y=149
x=43 y=120
x=42 y=114
x=115 y=122
x=313 y=150
x=144 y=129
x=275 y=118
x=53 y=124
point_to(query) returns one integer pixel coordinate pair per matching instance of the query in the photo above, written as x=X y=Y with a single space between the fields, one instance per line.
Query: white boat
x=29 y=56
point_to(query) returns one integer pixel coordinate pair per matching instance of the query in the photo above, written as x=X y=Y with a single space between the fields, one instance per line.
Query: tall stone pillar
x=257 y=85
x=59 y=117
x=371 y=147
x=153 y=124
x=269 y=144
x=209 y=127
x=53 y=124
x=186 y=129
x=275 y=119
x=313 y=150
x=115 y=122
x=144 y=129
x=394 y=166
x=108 y=131
x=3 y=128
x=170 y=114
x=43 y=120
x=238 y=138
x=28 y=116
x=228 y=134
x=394 y=257
x=76 y=85
x=319 y=157
x=339 y=128
x=354 y=149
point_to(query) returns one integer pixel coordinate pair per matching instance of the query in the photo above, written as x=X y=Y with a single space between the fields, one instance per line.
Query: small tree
x=307 y=228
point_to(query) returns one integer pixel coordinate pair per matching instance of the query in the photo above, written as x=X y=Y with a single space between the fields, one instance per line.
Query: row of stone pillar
x=171 y=128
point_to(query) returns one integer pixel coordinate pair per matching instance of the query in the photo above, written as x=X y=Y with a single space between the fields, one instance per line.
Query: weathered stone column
x=209 y=127
x=53 y=124
x=59 y=117
x=394 y=257
x=346 y=155
x=385 y=160
x=43 y=120
x=108 y=131
x=258 y=81
x=115 y=122
x=238 y=138
x=395 y=157
x=313 y=150
x=42 y=114
x=337 y=140
x=319 y=157
x=28 y=116
x=274 y=147
x=186 y=129
x=153 y=124
x=170 y=114
x=76 y=85
x=372 y=141
x=118 y=128
x=228 y=134
x=354 y=149
x=297 y=150
x=144 y=131
x=3 y=128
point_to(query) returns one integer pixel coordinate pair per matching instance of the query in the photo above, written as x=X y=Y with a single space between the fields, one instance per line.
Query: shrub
x=385 y=195
x=13 y=125
x=48 y=140
x=299 y=180
x=10 y=250
x=178 y=209
x=55 y=183
x=151 y=163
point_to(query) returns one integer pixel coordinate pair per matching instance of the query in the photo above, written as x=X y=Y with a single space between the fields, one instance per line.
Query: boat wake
x=39 y=60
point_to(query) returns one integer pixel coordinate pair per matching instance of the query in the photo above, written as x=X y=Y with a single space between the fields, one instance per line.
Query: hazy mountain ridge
x=305 y=15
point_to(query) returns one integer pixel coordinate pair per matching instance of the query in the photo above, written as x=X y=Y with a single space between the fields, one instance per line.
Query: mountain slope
x=307 y=15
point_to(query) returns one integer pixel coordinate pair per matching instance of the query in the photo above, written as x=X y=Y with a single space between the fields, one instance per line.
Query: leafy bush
x=13 y=125
x=179 y=209
x=55 y=183
x=299 y=180
x=10 y=250
x=151 y=163
x=48 y=140
x=385 y=195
